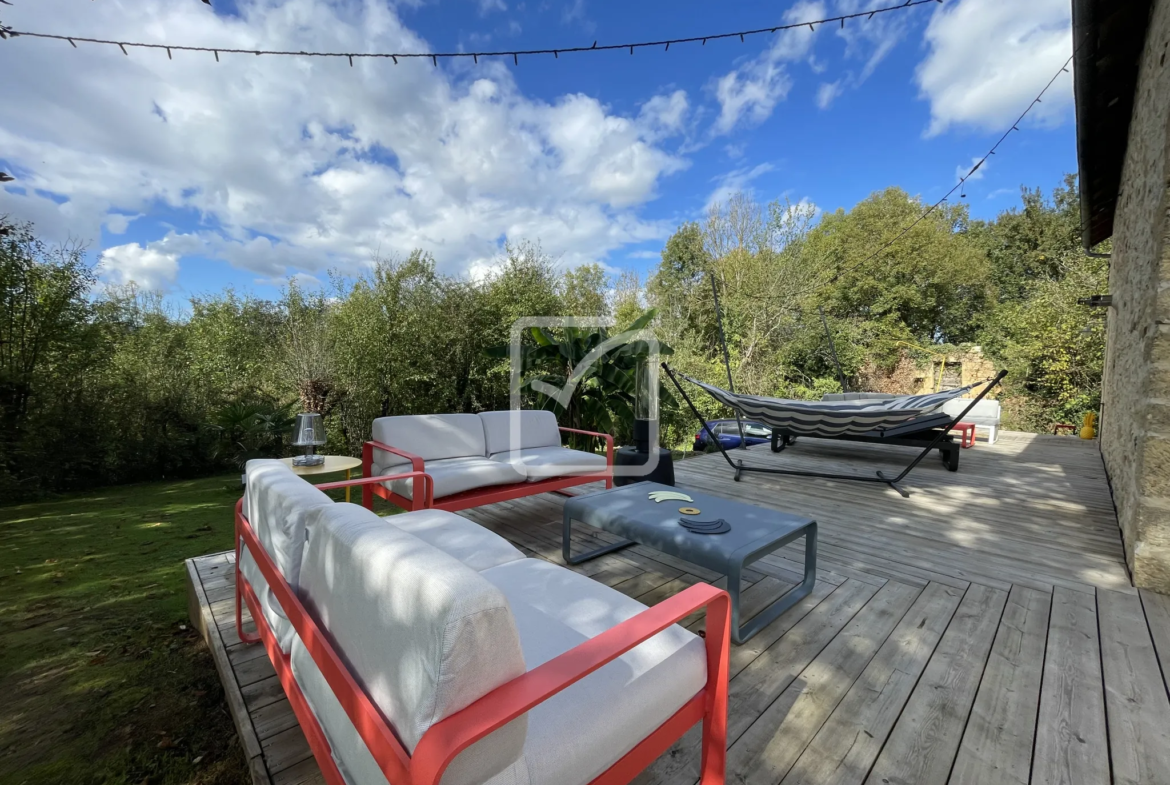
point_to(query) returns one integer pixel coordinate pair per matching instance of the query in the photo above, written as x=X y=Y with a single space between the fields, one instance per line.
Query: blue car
x=727 y=432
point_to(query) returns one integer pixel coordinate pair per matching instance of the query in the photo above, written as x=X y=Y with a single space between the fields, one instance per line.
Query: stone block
x=1151 y=551
x=1155 y=467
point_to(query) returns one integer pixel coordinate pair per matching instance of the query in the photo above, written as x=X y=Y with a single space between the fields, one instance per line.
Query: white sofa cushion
x=583 y=730
x=985 y=413
x=455 y=475
x=276 y=502
x=429 y=436
x=541 y=463
x=456 y=536
x=424 y=634
x=518 y=430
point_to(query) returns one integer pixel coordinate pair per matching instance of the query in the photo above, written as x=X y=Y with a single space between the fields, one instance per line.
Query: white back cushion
x=988 y=408
x=429 y=436
x=519 y=430
x=424 y=634
x=276 y=502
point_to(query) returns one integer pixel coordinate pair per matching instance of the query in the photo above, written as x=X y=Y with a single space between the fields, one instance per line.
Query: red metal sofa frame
x=447 y=738
x=476 y=496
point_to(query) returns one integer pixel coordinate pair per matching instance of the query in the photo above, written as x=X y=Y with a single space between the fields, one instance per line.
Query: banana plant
x=252 y=429
x=586 y=377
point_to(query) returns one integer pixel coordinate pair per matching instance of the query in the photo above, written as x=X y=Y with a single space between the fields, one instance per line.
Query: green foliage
x=1010 y=285
x=250 y=430
x=101 y=385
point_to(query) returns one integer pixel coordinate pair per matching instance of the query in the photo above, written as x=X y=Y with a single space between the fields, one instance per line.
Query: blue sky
x=186 y=175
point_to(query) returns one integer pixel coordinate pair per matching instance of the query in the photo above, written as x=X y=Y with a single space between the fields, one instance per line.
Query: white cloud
x=735 y=181
x=664 y=116
x=828 y=92
x=149 y=267
x=989 y=58
x=295 y=164
x=487 y=6
x=750 y=92
x=117 y=223
x=871 y=39
x=961 y=170
x=644 y=255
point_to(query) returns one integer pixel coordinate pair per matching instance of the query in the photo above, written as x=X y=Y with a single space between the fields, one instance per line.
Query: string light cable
x=434 y=57
x=962 y=182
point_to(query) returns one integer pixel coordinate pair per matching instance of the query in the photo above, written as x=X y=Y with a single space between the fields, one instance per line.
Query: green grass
x=102 y=677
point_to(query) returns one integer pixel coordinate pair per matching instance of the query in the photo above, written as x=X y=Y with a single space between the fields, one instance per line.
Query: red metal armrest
x=446 y=739
x=416 y=464
x=608 y=441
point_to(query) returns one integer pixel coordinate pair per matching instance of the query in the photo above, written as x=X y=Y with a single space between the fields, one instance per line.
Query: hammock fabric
x=832 y=418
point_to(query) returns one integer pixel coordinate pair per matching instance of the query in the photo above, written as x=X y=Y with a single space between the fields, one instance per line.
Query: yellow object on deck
x=1088 y=430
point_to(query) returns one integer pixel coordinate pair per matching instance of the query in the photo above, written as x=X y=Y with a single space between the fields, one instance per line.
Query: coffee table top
x=333 y=463
x=628 y=511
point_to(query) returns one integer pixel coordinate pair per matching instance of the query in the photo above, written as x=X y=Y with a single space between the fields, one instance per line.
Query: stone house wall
x=1135 y=421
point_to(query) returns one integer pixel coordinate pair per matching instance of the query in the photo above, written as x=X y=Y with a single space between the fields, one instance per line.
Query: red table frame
x=477 y=496
x=966 y=433
x=444 y=740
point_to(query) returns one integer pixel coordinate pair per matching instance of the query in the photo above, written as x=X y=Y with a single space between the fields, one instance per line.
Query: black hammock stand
x=879 y=477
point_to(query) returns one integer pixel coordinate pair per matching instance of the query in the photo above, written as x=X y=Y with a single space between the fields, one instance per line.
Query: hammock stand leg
x=893 y=482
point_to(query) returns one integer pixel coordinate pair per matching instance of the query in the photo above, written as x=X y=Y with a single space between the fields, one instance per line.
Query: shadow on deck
x=982 y=631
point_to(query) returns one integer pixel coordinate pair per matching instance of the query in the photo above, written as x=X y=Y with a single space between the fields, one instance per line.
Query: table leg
x=348 y=487
x=566 y=544
x=791 y=597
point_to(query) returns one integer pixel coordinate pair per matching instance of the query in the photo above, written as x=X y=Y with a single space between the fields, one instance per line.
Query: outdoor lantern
x=645 y=405
x=645 y=461
x=309 y=433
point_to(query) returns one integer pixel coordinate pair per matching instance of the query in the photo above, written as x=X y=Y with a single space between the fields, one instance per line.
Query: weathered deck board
x=1071 y=745
x=921 y=748
x=997 y=744
x=983 y=631
x=1138 y=713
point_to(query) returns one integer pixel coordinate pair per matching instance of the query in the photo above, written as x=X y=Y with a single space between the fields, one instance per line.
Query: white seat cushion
x=583 y=730
x=424 y=635
x=429 y=436
x=455 y=475
x=541 y=463
x=456 y=536
x=506 y=431
x=276 y=502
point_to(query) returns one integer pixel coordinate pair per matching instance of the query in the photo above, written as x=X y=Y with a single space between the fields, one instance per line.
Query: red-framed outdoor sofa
x=434 y=443
x=446 y=739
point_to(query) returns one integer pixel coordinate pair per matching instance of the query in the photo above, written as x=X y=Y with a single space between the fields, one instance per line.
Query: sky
x=187 y=175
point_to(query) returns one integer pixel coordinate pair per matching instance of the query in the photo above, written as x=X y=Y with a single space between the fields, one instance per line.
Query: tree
x=582 y=291
x=46 y=340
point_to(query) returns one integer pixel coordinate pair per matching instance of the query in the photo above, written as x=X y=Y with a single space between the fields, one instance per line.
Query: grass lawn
x=102 y=676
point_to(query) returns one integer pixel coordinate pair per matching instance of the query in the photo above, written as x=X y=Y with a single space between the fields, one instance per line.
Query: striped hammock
x=832 y=418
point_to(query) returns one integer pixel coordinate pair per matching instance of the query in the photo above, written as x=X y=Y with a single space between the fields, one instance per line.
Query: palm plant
x=586 y=377
x=251 y=429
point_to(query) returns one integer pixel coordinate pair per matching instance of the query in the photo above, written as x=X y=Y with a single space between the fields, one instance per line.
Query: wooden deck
x=982 y=632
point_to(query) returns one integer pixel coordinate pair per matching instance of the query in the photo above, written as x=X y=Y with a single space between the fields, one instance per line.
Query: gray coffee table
x=755 y=532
